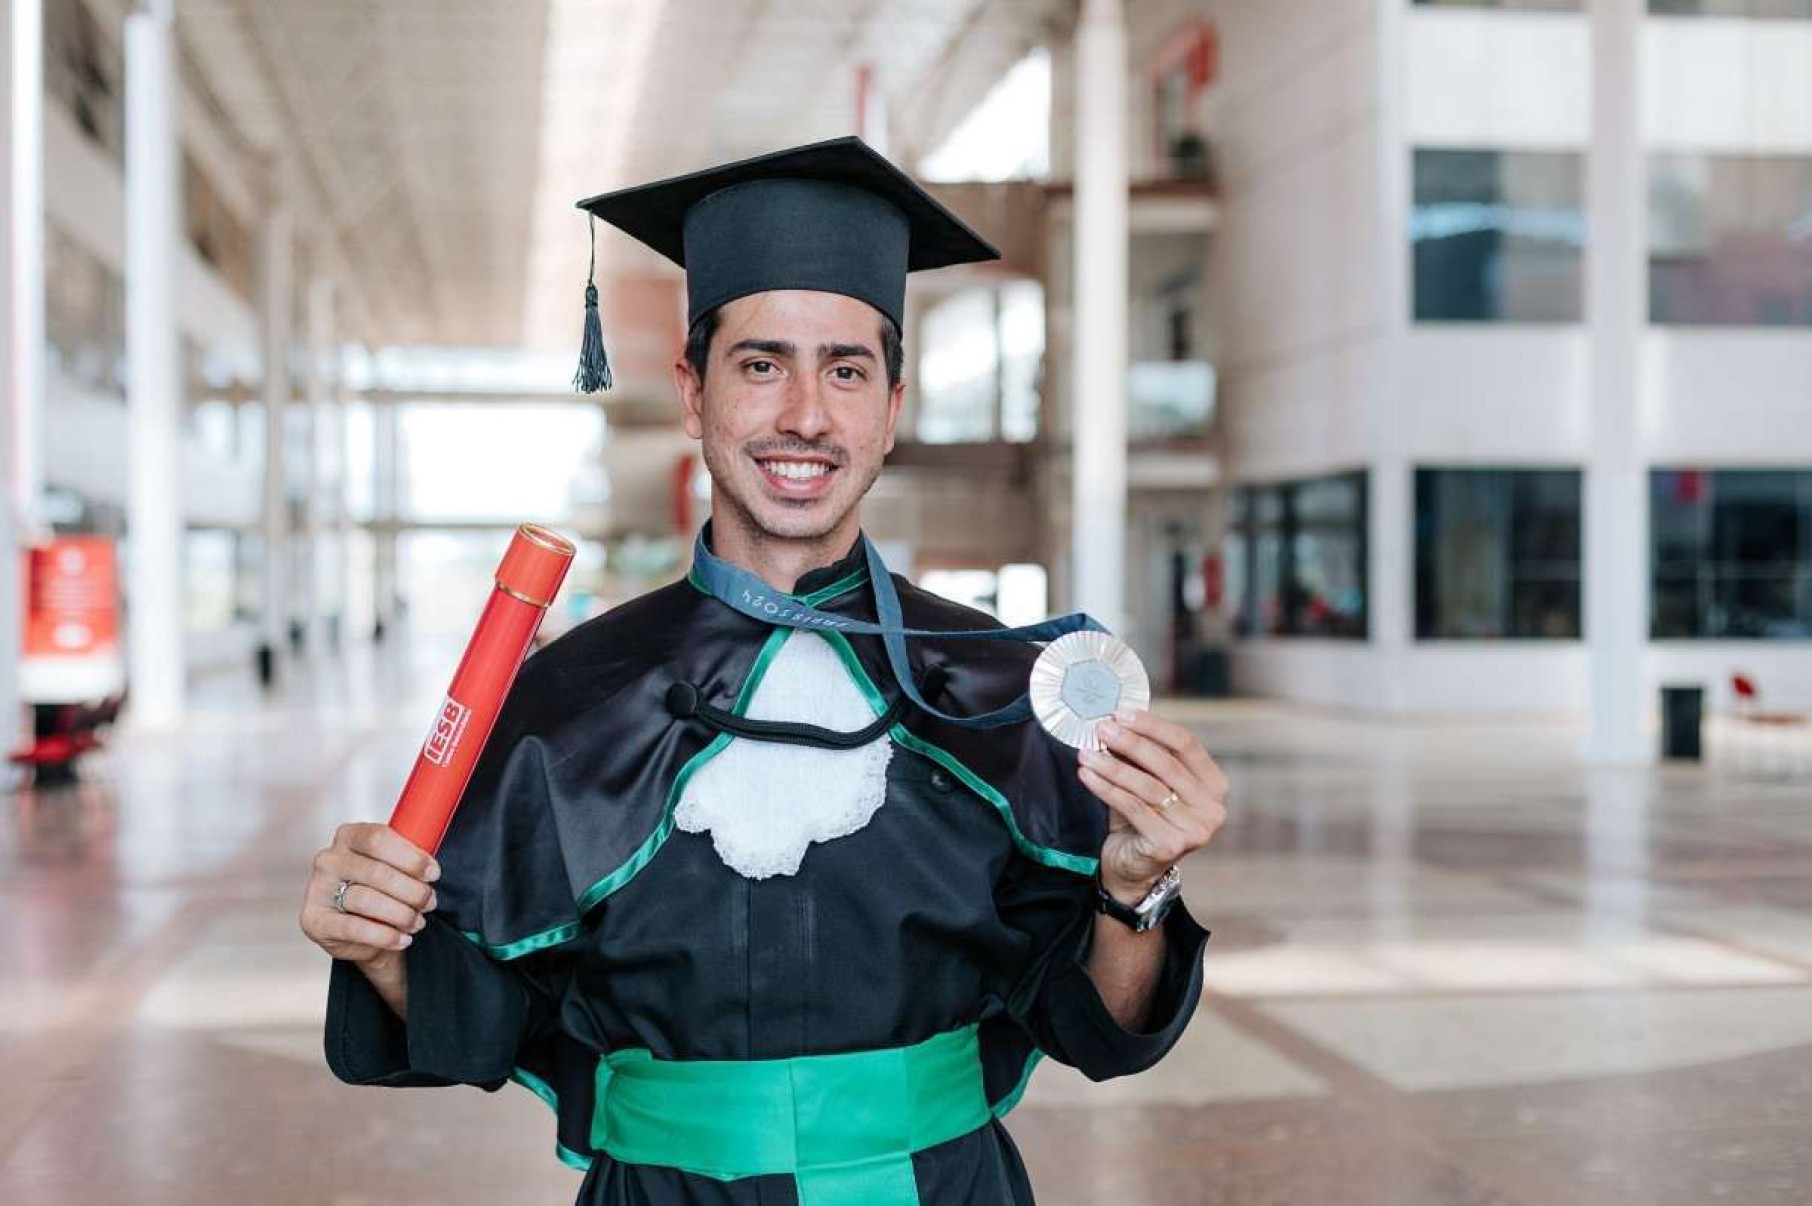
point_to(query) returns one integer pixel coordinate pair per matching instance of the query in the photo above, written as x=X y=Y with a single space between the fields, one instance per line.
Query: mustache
x=768 y=448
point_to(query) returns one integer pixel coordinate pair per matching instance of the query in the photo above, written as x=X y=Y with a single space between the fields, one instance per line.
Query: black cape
x=575 y=919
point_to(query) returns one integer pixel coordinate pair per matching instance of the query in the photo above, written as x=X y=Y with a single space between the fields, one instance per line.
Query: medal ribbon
x=741 y=590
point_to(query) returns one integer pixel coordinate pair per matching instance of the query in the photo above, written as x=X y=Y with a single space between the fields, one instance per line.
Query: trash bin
x=1211 y=673
x=1682 y=713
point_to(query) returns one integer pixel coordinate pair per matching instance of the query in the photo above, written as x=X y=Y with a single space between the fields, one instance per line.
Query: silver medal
x=1079 y=681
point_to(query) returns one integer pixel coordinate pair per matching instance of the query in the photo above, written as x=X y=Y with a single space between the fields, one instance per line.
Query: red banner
x=72 y=598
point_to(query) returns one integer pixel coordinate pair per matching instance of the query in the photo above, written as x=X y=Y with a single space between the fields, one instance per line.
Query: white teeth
x=796 y=470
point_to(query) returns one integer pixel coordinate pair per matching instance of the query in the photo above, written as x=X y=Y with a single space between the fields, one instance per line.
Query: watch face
x=1157 y=902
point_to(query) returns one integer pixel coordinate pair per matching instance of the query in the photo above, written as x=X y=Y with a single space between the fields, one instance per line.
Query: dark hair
x=698 y=345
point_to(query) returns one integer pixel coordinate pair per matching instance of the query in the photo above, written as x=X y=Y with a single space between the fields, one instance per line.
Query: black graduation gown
x=576 y=919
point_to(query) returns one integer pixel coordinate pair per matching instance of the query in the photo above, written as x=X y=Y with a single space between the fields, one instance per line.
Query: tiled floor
x=1450 y=966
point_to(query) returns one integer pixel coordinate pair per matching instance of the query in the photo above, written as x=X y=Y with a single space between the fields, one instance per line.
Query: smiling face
x=795 y=415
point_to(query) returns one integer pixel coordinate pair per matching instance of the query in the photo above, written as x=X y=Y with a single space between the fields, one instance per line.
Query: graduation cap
x=835 y=217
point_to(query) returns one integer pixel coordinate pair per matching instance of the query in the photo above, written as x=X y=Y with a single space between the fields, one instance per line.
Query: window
x=1170 y=387
x=980 y=352
x=1497 y=554
x=1013 y=594
x=1497 y=236
x=1731 y=8
x=1302 y=553
x=210 y=579
x=1731 y=553
x=1168 y=399
x=535 y=455
x=1730 y=240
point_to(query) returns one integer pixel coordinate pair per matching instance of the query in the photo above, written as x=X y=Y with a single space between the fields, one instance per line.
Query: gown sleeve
x=1057 y=1003
x=472 y=1019
x=488 y=972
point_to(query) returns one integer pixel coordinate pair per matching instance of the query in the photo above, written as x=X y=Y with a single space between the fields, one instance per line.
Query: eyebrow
x=782 y=347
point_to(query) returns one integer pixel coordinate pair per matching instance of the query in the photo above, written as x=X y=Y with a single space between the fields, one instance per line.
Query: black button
x=940 y=781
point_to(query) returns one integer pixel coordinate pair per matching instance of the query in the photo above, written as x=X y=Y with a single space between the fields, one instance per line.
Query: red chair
x=1749 y=705
x=61 y=734
x=1750 y=714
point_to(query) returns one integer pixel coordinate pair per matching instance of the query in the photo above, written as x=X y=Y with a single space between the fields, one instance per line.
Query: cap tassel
x=594 y=365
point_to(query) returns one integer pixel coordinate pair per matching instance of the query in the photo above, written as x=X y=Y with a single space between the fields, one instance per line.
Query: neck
x=780 y=561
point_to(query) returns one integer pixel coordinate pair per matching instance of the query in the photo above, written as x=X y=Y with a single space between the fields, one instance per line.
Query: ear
x=896 y=399
x=691 y=393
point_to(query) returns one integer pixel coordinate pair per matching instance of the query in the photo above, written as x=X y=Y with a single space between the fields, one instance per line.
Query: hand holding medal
x=1166 y=795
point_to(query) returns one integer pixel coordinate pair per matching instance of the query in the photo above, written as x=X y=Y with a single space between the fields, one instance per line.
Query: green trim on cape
x=540 y=1088
x=525 y=946
x=1005 y=1105
x=1062 y=860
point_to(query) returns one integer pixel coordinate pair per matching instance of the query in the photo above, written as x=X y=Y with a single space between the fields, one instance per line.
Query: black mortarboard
x=833 y=216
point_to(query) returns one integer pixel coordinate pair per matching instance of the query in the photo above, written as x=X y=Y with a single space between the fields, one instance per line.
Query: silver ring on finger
x=339 y=895
x=1164 y=804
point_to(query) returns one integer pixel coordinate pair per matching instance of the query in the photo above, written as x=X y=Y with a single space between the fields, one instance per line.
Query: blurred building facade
x=1473 y=262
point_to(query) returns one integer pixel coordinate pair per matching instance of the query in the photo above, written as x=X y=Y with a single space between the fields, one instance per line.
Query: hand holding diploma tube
x=371 y=890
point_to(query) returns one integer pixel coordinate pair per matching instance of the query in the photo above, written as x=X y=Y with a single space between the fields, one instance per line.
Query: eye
x=848 y=372
x=761 y=368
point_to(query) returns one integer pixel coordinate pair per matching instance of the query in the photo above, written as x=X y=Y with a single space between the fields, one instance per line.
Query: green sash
x=844 y=1126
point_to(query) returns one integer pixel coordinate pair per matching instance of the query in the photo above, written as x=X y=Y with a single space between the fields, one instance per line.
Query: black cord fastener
x=686 y=702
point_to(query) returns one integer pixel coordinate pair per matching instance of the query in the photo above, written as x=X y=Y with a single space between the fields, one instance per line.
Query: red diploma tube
x=527 y=580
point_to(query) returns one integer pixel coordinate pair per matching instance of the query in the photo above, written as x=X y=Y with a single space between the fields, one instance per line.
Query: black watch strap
x=1151 y=910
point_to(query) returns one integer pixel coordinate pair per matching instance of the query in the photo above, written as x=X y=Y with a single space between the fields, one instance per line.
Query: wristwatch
x=1149 y=913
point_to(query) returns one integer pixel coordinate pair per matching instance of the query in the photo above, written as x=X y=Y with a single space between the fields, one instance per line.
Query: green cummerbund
x=843 y=1126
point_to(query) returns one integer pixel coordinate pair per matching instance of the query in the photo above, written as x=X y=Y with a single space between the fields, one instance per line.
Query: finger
x=331 y=925
x=1150 y=757
x=388 y=846
x=362 y=901
x=1179 y=740
x=1130 y=779
x=1160 y=837
x=332 y=866
x=1194 y=814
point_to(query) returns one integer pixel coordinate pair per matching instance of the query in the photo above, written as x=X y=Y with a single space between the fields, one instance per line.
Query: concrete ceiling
x=448 y=139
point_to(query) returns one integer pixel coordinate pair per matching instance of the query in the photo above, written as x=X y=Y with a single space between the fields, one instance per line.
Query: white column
x=155 y=663
x=21 y=328
x=1390 y=519
x=278 y=290
x=1099 y=331
x=24 y=204
x=1616 y=518
x=318 y=384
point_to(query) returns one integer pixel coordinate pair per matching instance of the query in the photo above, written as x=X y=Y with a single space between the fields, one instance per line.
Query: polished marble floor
x=1450 y=966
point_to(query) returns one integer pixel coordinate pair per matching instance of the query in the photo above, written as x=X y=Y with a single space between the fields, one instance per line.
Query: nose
x=805 y=414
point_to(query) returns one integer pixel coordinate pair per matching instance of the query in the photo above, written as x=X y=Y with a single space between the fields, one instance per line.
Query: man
x=755 y=906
